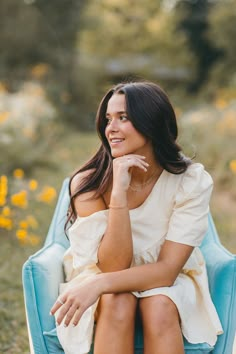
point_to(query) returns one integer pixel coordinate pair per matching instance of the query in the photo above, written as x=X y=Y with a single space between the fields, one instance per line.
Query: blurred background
x=57 y=60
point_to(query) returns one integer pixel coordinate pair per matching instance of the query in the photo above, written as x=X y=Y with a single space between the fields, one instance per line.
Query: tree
x=222 y=32
x=135 y=39
x=195 y=24
x=41 y=31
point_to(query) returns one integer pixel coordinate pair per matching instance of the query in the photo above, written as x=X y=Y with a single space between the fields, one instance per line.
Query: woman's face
x=123 y=138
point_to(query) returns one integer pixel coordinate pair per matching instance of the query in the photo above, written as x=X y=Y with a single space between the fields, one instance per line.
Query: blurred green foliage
x=186 y=46
x=64 y=54
x=58 y=58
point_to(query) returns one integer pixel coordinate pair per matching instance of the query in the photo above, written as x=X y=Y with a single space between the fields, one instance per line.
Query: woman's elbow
x=169 y=275
x=113 y=265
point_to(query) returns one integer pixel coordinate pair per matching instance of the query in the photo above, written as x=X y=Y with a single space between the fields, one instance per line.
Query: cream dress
x=176 y=210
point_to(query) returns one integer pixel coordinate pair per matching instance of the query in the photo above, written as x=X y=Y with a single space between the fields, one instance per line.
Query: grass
x=66 y=156
x=67 y=153
x=13 y=334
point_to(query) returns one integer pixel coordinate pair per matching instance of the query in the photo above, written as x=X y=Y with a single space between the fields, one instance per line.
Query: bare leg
x=115 y=324
x=161 y=327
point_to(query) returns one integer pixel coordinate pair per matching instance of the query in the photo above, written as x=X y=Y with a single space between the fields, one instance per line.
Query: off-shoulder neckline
x=141 y=206
x=105 y=211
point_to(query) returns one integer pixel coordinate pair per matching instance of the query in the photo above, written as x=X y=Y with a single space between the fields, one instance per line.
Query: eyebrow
x=119 y=112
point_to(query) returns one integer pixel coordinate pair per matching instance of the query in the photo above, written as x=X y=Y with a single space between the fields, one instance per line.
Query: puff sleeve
x=85 y=236
x=189 y=220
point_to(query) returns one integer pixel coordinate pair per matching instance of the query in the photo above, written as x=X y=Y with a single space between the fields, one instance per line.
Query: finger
x=63 y=312
x=78 y=316
x=54 y=309
x=136 y=157
x=137 y=163
x=143 y=163
x=70 y=314
x=130 y=160
x=60 y=302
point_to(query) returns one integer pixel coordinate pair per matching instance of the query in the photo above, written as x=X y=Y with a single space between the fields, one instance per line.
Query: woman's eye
x=123 y=118
x=108 y=121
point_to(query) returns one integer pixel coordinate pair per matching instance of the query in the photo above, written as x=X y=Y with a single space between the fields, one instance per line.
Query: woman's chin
x=115 y=153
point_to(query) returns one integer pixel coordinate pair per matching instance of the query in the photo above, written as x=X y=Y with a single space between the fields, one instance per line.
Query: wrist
x=103 y=283
x=118 y=198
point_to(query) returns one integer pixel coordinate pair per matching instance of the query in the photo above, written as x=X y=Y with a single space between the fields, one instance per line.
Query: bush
x=27 y=127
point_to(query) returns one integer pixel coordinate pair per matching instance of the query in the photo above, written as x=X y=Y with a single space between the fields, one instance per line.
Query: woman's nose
x=113 y=125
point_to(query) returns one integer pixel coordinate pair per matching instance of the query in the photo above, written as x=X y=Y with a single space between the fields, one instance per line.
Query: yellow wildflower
x=232 y=166
x=3 y=179
x=2 y=221
x=32 y=222
x=33 y=184
x=47 y=195
x=21 y=234
x=18 y=173
x=20 y=199
x=6 y=211
x=3 y=87
x=40 y=70
x=3 y=185
x=23 y=224
x=220 y=103
x=5 y=223
x=3 y=189
x=2 y=199
x=34 y=240
x=4 y=116
x=8 y=224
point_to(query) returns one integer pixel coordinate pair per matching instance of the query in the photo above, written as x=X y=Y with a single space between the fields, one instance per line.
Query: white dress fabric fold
x=175 y=210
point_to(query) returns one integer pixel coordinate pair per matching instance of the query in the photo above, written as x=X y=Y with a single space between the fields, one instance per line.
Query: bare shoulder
x=77 y=180
x=86 y=203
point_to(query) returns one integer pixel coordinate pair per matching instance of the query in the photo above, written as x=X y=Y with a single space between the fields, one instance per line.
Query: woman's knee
x=118 y=308
x=159 y=314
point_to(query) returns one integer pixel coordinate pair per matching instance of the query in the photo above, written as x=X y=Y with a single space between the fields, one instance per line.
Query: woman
x=139 y=209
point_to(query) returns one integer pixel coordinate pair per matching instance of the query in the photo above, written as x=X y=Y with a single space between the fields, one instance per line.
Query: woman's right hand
x=122 y=168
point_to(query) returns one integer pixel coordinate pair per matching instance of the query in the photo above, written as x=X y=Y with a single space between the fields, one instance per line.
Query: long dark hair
x=151 y=113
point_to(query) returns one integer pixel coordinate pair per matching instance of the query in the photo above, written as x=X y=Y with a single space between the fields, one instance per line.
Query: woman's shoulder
x=86 y=203
x=196 y=173
x=77 y=179
x=194 y=181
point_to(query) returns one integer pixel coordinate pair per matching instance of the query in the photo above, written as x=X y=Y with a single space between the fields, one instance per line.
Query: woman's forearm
x=116 y=249
x=138 y=278
x=171 y=261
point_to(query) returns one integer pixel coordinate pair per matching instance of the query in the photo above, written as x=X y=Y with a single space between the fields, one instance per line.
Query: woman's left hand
x=75 y=301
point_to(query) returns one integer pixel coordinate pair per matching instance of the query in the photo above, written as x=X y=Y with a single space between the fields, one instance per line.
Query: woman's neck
x=140 y=177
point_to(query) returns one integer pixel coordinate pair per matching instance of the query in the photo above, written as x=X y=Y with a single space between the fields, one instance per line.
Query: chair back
x=42 y=274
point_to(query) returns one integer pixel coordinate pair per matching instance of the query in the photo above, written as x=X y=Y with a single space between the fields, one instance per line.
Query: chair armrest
x=42 y=274
x=221 y=269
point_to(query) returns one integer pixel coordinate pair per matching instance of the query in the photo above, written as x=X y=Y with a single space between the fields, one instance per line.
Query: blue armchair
x=43 y=272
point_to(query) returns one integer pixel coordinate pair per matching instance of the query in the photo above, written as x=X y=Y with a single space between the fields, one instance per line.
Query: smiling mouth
x=116 y=141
